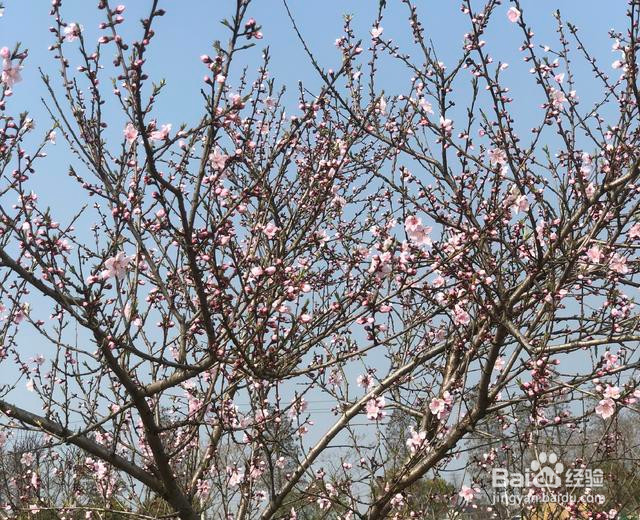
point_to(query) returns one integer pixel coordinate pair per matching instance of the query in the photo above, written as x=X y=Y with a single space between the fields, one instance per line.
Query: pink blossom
x=256 y=471
x=72 y=32
x=460 y=316
x=376 y=31
x=270 y=230
x=405 y=256
x=21 y=313
x=440 y=406
x=116 y=266
x=497 y=157
x=412 y=223
x=236 y=475
x=618 y=264
x=382 y=105
x=375 y=407
x=611 y=392
x=305 y=318
x=323 y=503
x=162 y=134
x=425 y=106
x=606 y=408
x=437 y=406
x=438 y=282
x=298 y=406
x=499 y=364
x=398 y=500
x=130 y=133
x=421 y=237
x=634 y=232
x=365 y=381
x=10 y=73
x=381 y=263
x=27 y=458
x=218 y=159
x=513 y=14
x=417 y=233
x=335 y=377
x=557 y=97
x=521 y=204
x=611 y=359
x=416 y=441
x=195 y=404
x=594 y=254
x=262 y=415
x=446 y=125
x=92 y=278
x=203 y=487
x=467 y=493
x=100 y=469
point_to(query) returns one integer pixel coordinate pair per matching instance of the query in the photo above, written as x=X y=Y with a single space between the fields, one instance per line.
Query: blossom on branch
x=116 y=266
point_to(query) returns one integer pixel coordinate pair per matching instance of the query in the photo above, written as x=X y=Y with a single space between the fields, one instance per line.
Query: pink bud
x=5 y=53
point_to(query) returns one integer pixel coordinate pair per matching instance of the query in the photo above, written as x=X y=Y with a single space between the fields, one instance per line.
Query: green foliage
x=155 y=507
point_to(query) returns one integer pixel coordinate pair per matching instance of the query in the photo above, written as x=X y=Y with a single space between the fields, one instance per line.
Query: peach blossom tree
x=412 y=252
